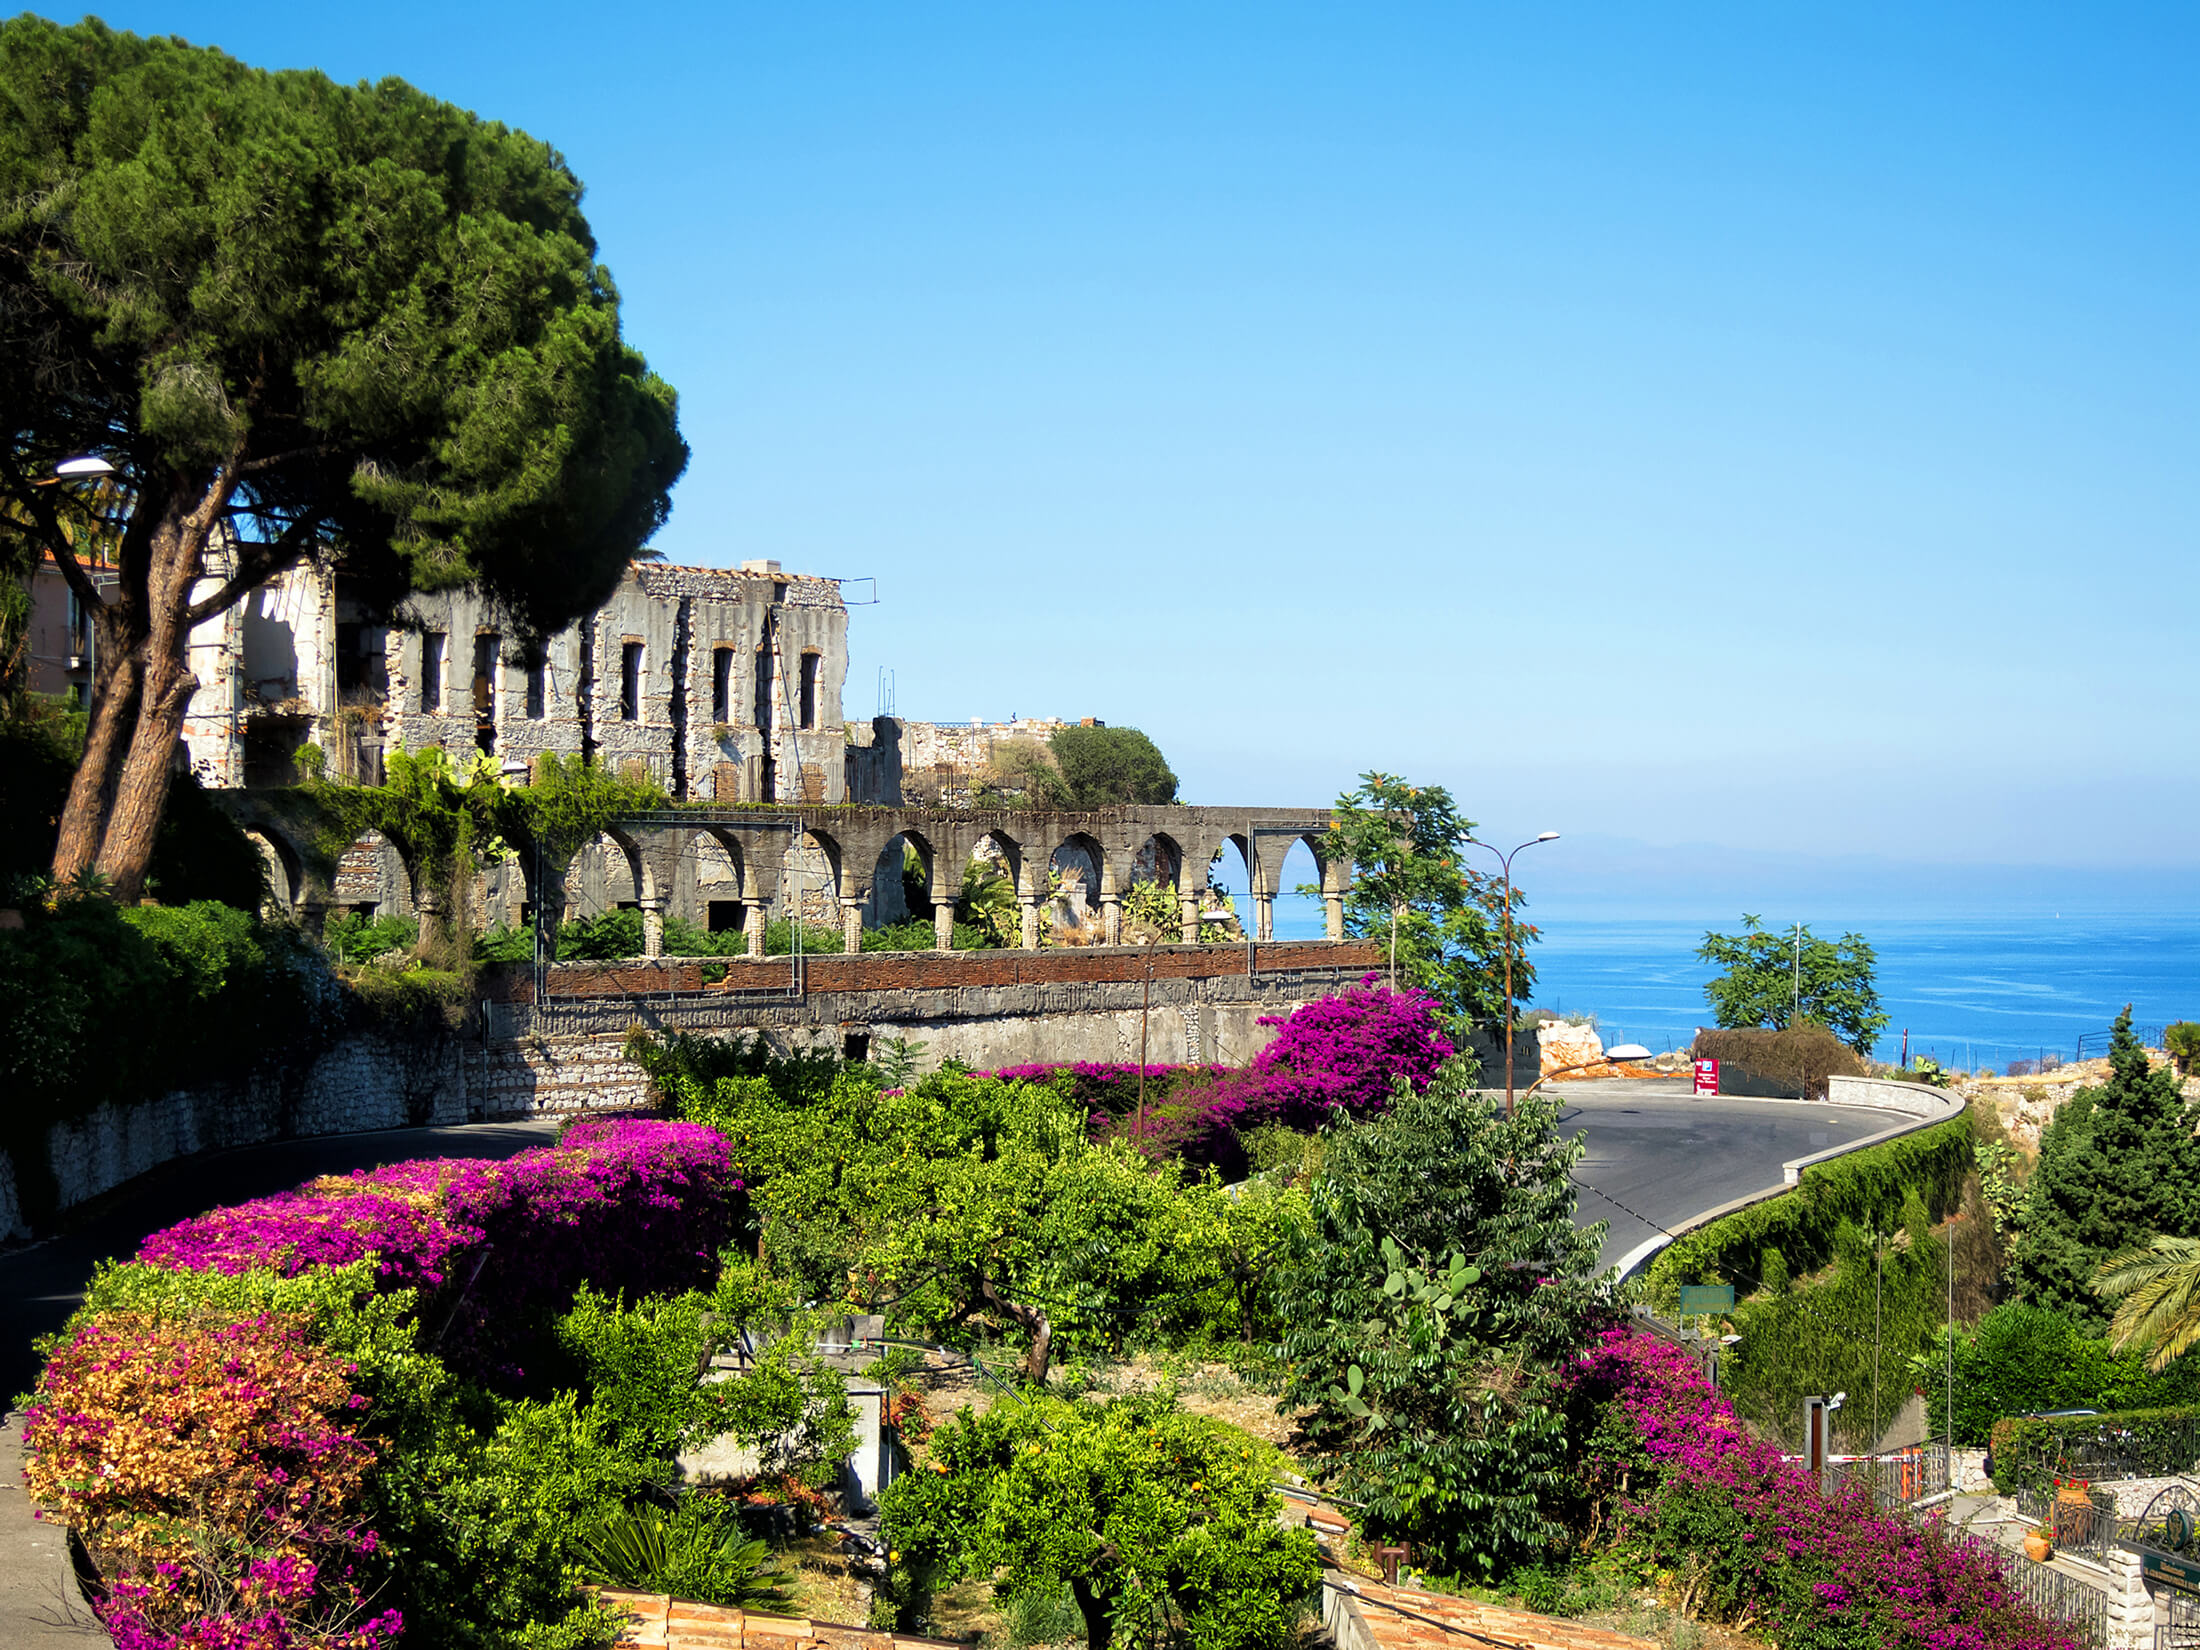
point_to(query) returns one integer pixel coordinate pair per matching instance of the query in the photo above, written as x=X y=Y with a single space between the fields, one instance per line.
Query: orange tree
x=1160 y=1524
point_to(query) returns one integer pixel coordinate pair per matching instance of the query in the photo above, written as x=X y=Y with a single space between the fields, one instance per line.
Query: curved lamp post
x=1506 y=860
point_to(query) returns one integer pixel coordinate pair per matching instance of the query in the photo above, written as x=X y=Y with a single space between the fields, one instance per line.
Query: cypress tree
x=2118 y=1165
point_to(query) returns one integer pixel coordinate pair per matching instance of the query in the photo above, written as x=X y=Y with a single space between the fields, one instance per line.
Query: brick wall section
x=940 y=971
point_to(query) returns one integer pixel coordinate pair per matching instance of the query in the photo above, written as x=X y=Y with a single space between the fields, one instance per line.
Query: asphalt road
x=41 y=1284
x=1659 y=1152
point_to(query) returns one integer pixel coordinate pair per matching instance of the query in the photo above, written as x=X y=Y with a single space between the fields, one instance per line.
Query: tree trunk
x=177 y=551
x=115 y=680
x=1032 y=1322
x=1098 y=1629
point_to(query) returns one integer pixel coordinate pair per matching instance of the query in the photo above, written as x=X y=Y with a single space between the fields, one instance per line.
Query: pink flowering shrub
x=214 y=1471
x=625 y=1204
x=1338 y=1054
x=1747 y=1532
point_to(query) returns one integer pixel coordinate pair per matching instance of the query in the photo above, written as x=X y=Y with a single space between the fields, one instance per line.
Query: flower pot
x=2073 y=1495
x=2038 y=1548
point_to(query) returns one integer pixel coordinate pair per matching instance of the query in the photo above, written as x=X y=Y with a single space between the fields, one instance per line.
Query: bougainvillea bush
x=492 y=1247
x=214 y=1470
x=1677 y=1483
x=269 y=1431
x=1339 y=1056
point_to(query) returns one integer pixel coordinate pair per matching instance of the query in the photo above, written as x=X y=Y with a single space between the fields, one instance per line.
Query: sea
x=1969 y=989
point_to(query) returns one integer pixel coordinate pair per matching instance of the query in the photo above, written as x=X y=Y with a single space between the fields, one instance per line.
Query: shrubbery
x=1686 y=1493
x=1867 y=1188
x=2021 y=1359
x=1798 y=1060
x=190 y=1407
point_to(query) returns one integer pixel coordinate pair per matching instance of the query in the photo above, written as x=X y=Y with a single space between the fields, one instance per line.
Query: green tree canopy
x=299 y=318
x=1775 y=979
x=2118 y=1165
x=1162 y=1525
x=1430 y=1307
x=1107 y=767
x=1408 y=846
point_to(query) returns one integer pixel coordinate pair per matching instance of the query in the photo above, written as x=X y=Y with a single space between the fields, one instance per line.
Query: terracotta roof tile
x=1405 y=1618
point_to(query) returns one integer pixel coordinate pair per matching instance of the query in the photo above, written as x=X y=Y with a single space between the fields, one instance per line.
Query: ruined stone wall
x=639 y=680
x=986 y=1009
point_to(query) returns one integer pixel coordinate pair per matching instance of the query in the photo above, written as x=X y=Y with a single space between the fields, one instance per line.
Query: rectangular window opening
x=630 y=682
x=538 y=688
x=724 y=916
x=432 y=647
x=811 y=664
x=721 y=685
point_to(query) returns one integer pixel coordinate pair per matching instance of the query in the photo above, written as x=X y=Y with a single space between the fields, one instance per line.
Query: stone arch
x=889 y=903
x=606 y=874
x=283 y=864
x=1078 y=914
x=810 y=876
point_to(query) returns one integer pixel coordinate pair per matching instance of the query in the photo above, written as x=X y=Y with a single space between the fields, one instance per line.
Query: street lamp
x=1506 y=860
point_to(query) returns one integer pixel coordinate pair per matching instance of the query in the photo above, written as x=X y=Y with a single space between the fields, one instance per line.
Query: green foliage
x=1407 y=845
x=353 y=939
x=1107 y=767
x=2030 y=1454
x=1161 y=1525
x=2182 y=1040
x=1867 y=1188
x=2157 y=1290
x=2021 y=1359
x=1772 y=1271
x=392 y=306
x=1020 y=774
x=699 y=1551
x=962 y=1202
x=1851 y=1330
x=1774 y=979
x=102 y=1004
x=988 y=903
x=896 y=1060
x=1430 y=1306
x=2118 y=1162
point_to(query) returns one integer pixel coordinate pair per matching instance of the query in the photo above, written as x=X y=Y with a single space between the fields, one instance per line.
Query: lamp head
x=1548 y=836
x=83 y=466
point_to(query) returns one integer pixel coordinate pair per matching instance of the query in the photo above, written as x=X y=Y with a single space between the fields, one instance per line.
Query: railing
x=2079 y=1607
x=2084 y=1527
x=2132 y=1444
x=2182 y=1630
x=2094 y=1045
x=1899 y=1477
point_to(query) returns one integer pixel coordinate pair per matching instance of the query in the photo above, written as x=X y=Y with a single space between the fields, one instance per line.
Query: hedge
x=1866 y=1187
x=2029 y=1454
x=1796 y=1059
x=261 y=1428
x=2022 y=1359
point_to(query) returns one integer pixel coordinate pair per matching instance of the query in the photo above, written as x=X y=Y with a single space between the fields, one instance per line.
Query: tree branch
x=253 y=571
x=55 y=542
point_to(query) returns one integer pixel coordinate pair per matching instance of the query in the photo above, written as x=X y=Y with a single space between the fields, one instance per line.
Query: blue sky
x=1767 y=429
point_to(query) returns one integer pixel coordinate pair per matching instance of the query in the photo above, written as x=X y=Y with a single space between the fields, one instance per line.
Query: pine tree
x=2118 y=1166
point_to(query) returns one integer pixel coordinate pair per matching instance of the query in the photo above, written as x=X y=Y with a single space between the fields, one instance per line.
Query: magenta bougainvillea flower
x=1824 y=1570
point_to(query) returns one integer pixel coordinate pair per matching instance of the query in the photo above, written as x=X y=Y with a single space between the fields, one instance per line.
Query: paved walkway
x=42 y=1283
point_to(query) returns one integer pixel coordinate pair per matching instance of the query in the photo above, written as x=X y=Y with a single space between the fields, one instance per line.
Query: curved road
x=1658 y=1151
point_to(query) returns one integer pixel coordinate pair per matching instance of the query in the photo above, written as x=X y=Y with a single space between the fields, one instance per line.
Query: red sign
x=1707 y=1077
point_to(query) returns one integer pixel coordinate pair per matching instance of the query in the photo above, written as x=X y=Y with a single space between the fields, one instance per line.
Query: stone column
x=653 y=927
x=313 y=915
x=1335 y=925
x=1188 y=904
x=1029 y=935
x=756 y=917
x=1264 y=916
x=435 y=927
x=943 y=925
x=1111 y=919
x=851 y=929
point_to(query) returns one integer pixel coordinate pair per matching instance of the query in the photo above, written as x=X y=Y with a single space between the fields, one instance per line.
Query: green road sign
x=1706 y=1297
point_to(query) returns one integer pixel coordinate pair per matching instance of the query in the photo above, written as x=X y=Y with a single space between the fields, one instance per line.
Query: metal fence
x=2094 y=1045
x=1899 y=1477
x=2080 y=1608
x=2182 y=1630
x=2084 y=1527
x=2103 y=1447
